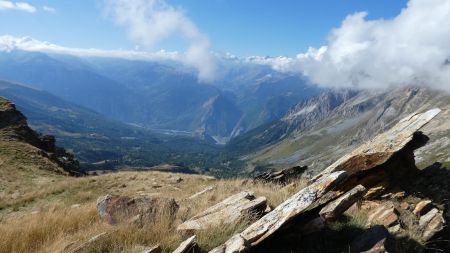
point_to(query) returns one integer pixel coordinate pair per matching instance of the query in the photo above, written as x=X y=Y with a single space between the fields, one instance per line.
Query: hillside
x=102 y=143
x=321 y=129
x=28 y=159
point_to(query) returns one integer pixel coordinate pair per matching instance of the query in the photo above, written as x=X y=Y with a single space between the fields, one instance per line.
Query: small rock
x=375 y=192
x=431 y=223
x=398 y=195
x=75 y=206
x=371 y=241
x=336 y=208
x=176 y=180
x=404 y=205
x=384 y=214
x=395 y=229
x=422 y=207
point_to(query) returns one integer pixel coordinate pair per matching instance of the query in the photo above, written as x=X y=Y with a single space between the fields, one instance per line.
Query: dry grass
x=42 y=219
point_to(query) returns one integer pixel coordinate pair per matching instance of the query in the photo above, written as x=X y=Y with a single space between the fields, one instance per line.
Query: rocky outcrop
x=228 y=211
x=14 y=128
x=115 y=209
x=305 y=199
x=380 y=164
x=281 y=177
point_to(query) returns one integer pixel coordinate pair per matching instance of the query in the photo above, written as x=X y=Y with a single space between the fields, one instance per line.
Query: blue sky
x=241 y=27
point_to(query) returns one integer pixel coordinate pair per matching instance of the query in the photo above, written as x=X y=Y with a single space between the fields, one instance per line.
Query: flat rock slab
x=297 y=204
x=115 y=209
x=85 y=246
x=337 y=207
x=383 y=146
x=200 y=193
x=145 y=249
x=229 y=211
x=187 y=246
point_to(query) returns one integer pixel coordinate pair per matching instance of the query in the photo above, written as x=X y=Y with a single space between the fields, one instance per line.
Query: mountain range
x=113 y=112
x=324 y=128
x=162 y=96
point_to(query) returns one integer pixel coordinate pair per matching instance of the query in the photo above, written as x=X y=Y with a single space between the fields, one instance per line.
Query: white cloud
x=411 y=48
x=48 y=8
x=20 y=6
x=151 y=21
x=10 y=43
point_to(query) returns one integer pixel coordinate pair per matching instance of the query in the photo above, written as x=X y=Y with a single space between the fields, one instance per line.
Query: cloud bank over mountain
x=410 y=49
x=10 y=43
x=151 y=21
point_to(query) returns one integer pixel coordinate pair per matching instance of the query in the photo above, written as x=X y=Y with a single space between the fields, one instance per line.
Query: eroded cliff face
x=14 y=129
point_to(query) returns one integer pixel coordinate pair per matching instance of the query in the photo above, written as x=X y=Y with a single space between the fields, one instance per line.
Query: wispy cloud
x=411 y=48
x=48 y=9
x=10 y=43
x=19 y=6
x=151 y=21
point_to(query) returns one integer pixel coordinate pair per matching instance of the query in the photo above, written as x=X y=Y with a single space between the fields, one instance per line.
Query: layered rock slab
x=228 y=211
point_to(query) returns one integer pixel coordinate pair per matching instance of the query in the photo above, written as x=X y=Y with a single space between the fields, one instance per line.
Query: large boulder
x=114 y=209
x=228 y=211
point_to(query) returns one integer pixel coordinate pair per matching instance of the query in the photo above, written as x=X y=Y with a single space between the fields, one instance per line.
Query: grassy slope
x=50 y=224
